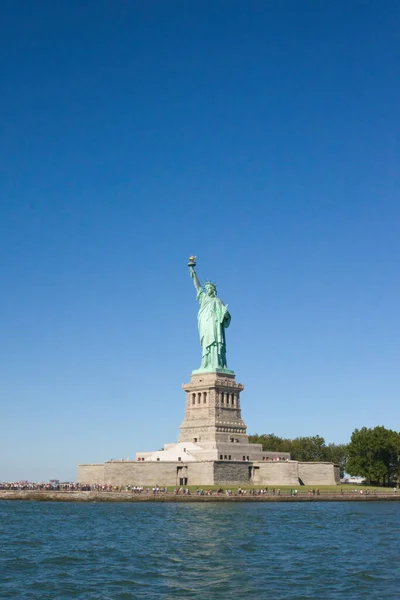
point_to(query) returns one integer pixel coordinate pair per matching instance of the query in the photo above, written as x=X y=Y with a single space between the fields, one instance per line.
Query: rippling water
x=204 y=551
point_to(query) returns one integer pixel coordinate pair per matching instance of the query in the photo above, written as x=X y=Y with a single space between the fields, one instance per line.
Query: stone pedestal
x=213 y=411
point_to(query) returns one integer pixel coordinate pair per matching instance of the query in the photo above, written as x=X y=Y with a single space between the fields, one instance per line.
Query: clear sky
x=262 y=137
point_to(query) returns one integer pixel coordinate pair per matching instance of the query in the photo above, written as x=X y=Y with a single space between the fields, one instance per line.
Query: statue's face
x=210 y=290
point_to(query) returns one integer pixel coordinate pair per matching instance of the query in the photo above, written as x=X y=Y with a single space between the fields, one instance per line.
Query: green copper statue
x=213 y=318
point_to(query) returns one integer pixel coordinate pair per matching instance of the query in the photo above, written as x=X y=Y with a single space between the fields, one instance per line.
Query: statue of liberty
x=213 y=318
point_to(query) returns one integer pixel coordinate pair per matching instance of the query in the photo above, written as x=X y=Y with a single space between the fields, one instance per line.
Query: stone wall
x=203 y=473
x=93 y=473
x=275 y=473
x=140 y=473
x=147 y=473
x=295 y=473
x=232 y=473
x=319 y=473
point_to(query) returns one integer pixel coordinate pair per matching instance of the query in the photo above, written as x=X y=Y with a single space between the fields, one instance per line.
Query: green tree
x=312 y=448
x=338 y=454
x=272 y=442
x=304 y=448
x=375 y=454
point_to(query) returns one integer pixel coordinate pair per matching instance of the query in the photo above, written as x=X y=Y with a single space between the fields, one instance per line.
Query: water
x=204 y=551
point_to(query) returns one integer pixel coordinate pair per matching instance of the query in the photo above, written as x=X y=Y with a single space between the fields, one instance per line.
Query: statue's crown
x=210 y=283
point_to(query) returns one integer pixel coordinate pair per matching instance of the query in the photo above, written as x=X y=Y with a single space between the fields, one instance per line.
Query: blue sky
x=262 y=137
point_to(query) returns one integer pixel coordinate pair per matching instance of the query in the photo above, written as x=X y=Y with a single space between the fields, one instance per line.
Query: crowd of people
x=50 y=486
x=136 y=489
x=365 y=491
x=245 y=492
x=55 y=485
x=29 y=485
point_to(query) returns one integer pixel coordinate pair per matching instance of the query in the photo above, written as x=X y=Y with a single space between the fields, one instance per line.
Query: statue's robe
x=213 y=318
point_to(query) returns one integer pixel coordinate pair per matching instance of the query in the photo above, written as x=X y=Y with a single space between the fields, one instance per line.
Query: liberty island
x=213 y=447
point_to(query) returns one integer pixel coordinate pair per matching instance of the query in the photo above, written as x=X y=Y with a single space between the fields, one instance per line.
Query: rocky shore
x=96 y=496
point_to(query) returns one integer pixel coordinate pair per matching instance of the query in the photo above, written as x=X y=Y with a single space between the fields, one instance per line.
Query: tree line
x=373 y=453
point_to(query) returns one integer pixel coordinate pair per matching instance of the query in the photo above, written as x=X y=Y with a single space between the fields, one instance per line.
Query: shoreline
x=95 y=496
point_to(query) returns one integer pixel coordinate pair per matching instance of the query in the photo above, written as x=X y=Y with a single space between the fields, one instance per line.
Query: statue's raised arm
x=213 y=318
x=193 y=274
